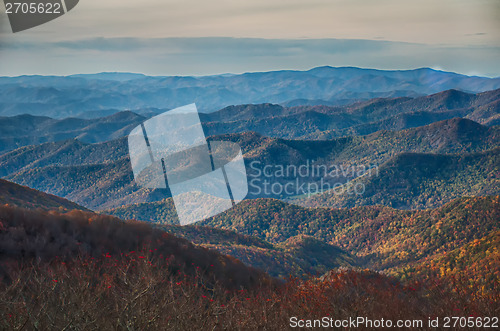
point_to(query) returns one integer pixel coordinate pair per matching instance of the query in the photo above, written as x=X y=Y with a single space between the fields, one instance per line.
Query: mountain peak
x=126 y=115
x=114 y=76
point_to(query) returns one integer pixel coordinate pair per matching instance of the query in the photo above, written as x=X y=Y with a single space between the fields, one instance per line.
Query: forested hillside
x=301 y=122
x=380 y=237
x=362 y=118
x=99 y=176
x=102 y=271
x=417 y=181
x=475 y=265
x=39 y=236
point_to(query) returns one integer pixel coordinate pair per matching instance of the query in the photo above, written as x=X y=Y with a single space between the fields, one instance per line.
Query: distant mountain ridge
x=60 y=97
x=362 y=118
x=23 y=130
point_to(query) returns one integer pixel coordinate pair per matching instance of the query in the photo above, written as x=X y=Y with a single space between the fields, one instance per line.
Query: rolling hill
x=104 y=273
x=286 y=239
x=300 y=256
x=46 y=236
x=464 y=266
x=380 y=237
x=24 y=130
x=99 y=176
x=421 y=239
x=304 y=122
x=410 y=181
x=362 y=118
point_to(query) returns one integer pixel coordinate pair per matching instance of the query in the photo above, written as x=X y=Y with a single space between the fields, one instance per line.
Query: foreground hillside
x=464 y=266
x=25 y=197
x=299 y=257
x=28 y=237
x=103 y=273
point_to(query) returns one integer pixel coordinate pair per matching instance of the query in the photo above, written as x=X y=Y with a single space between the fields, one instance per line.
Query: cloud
x=194 y=37
x=223 y=44
x=424 y=21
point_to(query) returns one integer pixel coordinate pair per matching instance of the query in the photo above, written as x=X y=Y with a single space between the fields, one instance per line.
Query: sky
x=199 y=37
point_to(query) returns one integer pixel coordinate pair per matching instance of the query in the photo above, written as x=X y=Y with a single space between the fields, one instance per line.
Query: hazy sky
x=195 y=37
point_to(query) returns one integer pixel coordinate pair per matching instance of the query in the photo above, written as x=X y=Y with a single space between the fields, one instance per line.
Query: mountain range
x=304 y=122
x=24 y=130
x=99 y=176
x=361 y=118
x=89 y=95
x=416 y=181
x=424 y=150
x=391 y=208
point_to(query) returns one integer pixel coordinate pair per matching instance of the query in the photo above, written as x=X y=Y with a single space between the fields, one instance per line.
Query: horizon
x=250 y=72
